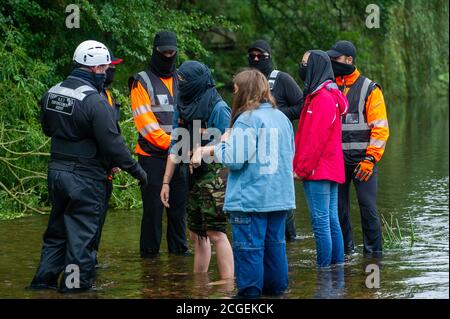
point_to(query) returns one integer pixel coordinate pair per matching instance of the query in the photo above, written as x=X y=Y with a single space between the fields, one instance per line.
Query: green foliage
x=394 y=236
x=408 y=54
x=36 y=53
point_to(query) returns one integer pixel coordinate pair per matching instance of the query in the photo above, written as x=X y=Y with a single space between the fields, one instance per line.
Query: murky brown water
x=414 y=181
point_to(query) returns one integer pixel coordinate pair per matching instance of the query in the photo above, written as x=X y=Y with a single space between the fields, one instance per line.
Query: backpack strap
x=272 y=78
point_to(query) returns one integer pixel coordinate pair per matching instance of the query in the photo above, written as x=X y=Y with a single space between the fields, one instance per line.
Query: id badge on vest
x=351 y=118
x=163 y=99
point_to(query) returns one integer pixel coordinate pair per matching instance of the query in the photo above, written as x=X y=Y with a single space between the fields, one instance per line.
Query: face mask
x=302 y=70
x=265 y=65
x=110 y=72
x=161 y=65
x=342 y=69
x=99 y=80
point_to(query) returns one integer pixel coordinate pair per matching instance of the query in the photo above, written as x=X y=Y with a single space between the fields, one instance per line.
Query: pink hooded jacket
x=318 y=142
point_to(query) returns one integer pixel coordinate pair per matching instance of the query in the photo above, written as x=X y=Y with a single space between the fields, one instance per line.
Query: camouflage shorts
x=205 y=201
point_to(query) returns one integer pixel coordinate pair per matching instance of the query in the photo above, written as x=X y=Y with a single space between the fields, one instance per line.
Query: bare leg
x=202 y=255
x=225 y=260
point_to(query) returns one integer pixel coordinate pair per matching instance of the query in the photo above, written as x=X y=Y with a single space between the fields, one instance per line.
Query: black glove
x=142 y=177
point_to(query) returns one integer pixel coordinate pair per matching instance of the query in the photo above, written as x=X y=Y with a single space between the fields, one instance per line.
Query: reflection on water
x=414 y=181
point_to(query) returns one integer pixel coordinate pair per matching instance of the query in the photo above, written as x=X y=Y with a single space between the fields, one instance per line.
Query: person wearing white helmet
x=85 y=144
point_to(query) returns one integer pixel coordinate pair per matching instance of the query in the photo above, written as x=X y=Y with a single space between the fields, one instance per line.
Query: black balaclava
x=342 y=69
x=161 y=65
x=96 y=79
x=110 y=72
x=318 y=71
x=265 y=66
x=197 y=94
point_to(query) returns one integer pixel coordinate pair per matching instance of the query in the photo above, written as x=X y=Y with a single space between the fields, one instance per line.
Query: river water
x=413 y=189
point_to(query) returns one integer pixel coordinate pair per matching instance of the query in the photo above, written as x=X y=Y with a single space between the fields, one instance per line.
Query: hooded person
x=200 y=107
x=153 y=93
x=364 y=138
x=287 y=94
x=318 y=159
x=197 y=95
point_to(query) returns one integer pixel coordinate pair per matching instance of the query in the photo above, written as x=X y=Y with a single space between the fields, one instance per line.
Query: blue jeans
x=322 y=199
x=259 y=249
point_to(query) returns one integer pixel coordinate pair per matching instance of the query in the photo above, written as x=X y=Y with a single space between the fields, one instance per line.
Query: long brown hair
x=252 y=89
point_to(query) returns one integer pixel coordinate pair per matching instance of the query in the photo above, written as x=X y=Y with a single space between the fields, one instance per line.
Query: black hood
x=197 y=94
x=318 y=71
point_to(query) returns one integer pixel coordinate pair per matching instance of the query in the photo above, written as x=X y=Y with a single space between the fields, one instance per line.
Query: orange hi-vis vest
x=109 y=97
x=365 y=128
x=152 y=103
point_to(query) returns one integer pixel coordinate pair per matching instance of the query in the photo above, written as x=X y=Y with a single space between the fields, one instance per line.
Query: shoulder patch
x=60 y=103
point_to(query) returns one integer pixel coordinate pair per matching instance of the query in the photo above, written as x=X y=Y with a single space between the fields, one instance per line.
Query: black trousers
x=370 y=219
x=109 y=188
x=69 y=240
x=151 y=225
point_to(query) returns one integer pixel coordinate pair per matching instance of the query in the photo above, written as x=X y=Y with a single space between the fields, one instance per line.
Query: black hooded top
x=318 y=71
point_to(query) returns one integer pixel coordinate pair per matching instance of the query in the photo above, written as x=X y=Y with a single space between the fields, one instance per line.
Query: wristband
x=370 y=158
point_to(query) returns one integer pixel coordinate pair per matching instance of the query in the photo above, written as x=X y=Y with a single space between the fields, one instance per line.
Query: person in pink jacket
x=319 y=159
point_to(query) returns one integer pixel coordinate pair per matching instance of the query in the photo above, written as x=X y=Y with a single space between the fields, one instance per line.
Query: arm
x=293 y=95
x=144 y=118
x=168 y=174
x=317 y=128
x=239 y=148
x=111 y=142
x=220 y=117
x=378 y=122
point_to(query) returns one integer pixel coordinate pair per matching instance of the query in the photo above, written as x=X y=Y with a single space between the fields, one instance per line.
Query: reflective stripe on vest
x=161 y=106
x=362 y=123
x=78 y=93
x=355 y=129
x=272 y=78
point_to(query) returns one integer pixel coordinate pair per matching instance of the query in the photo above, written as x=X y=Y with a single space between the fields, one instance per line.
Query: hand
x=297 y=177
x=364 y=170
x=196 y=159
x=165 y=190
x=115 y=170
x=142 y=178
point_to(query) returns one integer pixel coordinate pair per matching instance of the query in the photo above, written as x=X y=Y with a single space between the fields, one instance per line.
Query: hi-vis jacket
x=365 y=128
x=152 y=103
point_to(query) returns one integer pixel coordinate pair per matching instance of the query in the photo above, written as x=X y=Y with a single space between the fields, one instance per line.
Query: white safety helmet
x=91 y=53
